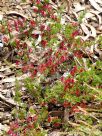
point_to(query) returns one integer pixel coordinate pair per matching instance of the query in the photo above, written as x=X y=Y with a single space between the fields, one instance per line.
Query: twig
x=85 y=123
x=77 y=61
x=94 y=110
x=86 y=113
x=95 y=89
x=73 y=124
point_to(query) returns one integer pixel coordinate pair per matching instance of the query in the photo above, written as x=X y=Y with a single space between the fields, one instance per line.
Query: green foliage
x=90 y=77
x=68 y=30
x=33 y=89
x=55 y=28
x=18 y=94
x=81 y=16
x=100 y=41
x=54 y=92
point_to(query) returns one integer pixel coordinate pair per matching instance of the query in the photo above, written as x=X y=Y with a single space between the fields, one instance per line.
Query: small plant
x=51 y=54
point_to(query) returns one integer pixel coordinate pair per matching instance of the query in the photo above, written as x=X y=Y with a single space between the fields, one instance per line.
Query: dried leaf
x=67 y=17
x=8 y=80
x=1 y=75
x=12 y=79
x=8 y=101
x=98 y=51
x=16 y=13
x=84 y=37
x=89 y=15
x=75 y=14
x=85 y=29
x=1 y=45
x=54 y=133
x=93 y=30
x=98 y=16
x=1 y=17
x=38 y=40
x=99 y=1
x=78 y=7
x=95 y=5
x=4 y=127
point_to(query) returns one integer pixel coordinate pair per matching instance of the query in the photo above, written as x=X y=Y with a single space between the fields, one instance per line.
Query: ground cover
x=58 y=84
